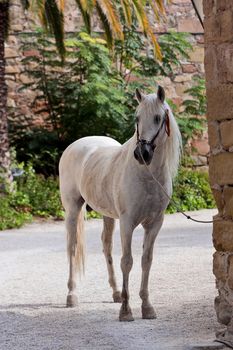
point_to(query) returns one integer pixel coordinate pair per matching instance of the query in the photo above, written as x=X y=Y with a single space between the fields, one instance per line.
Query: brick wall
x=219 y=76
x=180 y=17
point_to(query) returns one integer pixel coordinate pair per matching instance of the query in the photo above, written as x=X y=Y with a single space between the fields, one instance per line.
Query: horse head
x=152 y=124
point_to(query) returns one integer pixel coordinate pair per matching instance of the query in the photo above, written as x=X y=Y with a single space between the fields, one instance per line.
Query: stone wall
x=180 y=17
x=219 y=76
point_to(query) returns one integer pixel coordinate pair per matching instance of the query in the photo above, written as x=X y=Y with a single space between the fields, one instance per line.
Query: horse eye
x=157 y=119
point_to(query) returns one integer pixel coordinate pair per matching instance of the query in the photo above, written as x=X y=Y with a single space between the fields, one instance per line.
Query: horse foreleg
x=147 y=257
x=126 y=265
x=107 y=249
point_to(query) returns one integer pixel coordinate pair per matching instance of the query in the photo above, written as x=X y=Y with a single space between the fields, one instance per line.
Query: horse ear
x=139 y=95
x=161 y=94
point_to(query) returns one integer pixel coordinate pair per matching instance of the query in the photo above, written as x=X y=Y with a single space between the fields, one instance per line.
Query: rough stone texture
x=213 y=133
x=218 y=64
x=219 y=100
x=226 y=130
x=228 y=201
x=218 y=196
x=221 y=168
x=223 y=235
x=220 y=266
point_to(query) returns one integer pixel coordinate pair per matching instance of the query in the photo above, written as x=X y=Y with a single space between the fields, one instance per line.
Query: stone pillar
x=219 y=83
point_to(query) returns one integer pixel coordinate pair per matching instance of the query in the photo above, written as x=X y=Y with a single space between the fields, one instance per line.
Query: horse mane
x=173 y=145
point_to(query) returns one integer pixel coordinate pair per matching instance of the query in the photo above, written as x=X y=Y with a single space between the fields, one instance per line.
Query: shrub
x=36 y=195
x=191 y=191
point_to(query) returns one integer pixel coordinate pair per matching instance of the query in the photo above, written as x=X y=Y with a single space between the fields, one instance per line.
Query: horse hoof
x=148 y=312
x=126 y=315
x=71 y=301
x=117 y=297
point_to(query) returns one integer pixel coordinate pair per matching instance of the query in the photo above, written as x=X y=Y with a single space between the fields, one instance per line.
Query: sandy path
x=33 y=279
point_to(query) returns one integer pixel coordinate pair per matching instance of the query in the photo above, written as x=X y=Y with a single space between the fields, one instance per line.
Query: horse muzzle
x=143 y=153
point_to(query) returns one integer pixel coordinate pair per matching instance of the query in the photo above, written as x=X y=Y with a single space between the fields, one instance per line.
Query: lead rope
x=172 y=200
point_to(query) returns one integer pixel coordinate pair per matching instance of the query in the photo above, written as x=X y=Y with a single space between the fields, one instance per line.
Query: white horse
x=116 y=181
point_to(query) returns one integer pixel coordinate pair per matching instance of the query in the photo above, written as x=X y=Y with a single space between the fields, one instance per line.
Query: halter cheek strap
x=151 y=143
x=167 y=122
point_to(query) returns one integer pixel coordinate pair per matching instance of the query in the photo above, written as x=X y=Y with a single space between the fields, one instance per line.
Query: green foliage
x=191 y=121
x=134 y=57
x=33 y=195
x=191 y=191
x=196 y=105
x=87 y=95
x=42 y=193
x=83 y=97
x=11 y=215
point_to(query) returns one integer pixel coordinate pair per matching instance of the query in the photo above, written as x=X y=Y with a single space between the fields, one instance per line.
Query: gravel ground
x=34 y=274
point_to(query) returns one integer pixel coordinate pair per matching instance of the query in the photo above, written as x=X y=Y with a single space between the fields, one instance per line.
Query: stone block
x=223 y=310
x=219 y=28
x=31 y=53
x=212 y=29
x=12 y=69
x=16 y=28
x=228 y=201
x=201 y=146
x=209 y=7
x=190 y=26
x=211 y=66
x=223 y=235
x=221 y=169
x=222 y=5
x=220 y=102
x=220 y=266
x=197 y=55
x=25 y=79
x=189 y=68
x=226 y=132
x=224 y=63
x=11 y=53
x=230 y=272
x=183 y=78
x=218 y=196
x=214 y=134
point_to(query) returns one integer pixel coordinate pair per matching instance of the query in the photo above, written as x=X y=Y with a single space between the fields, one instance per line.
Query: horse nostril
x=146 y=155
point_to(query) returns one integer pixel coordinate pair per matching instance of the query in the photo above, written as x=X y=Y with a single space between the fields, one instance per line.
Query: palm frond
x=145 y=24
x=61 y=5
x=125 y=4
x=55 y=23
x=106 y=26
x=111 y=15
x=84 y=9
x=141 y=15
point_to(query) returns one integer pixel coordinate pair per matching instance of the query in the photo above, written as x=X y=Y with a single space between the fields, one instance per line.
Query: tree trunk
x=5 y=173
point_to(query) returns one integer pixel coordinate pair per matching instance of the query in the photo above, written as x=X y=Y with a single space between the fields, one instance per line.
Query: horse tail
x=76 y=245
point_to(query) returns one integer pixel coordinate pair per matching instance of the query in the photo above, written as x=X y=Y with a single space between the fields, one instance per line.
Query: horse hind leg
x=107 y=249
x=75 y=248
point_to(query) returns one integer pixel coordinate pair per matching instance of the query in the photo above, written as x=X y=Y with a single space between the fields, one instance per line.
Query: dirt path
x=33 y=279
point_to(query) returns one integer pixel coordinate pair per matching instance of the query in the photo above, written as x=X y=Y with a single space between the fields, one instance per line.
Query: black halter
x=151 y=143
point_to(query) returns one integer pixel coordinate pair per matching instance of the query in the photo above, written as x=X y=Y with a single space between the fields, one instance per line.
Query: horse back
x=86 y=169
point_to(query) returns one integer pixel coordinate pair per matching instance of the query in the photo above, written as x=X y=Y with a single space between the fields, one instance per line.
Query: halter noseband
x=151 y=143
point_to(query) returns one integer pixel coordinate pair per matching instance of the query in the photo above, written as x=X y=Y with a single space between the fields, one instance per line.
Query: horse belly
x=96 y=187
